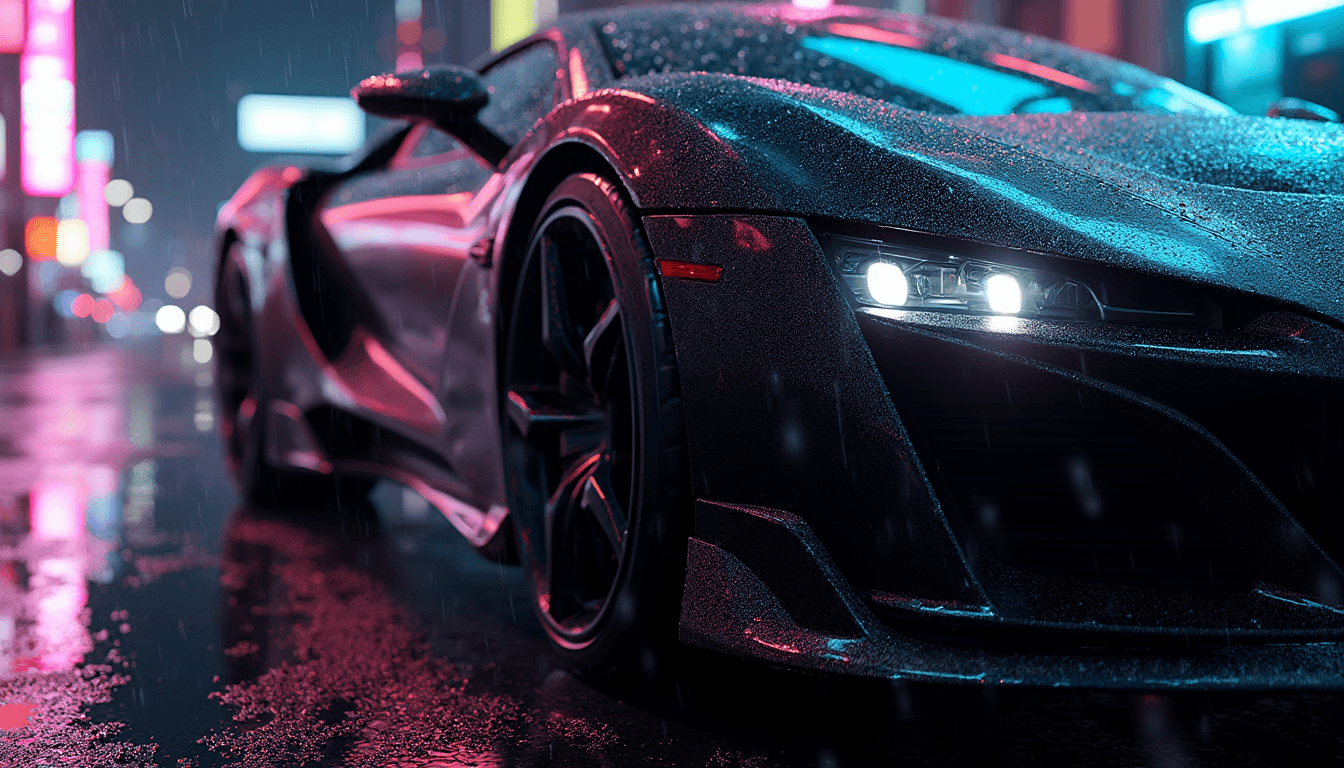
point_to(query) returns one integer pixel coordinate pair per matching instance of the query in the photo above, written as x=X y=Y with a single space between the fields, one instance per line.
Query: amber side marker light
x=687 y=270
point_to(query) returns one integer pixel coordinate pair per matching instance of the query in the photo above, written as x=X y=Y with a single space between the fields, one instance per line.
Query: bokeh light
x=170 y=319
x=11 y=261
x=119 y=325
x=117 y=192
x=39 y=238
x=102 y=311
x=106 y=270
x=82 y=306
x=72 y=242
x=203 y=321
x=64 y=302
x=178 y=282
x=202 y=350
x=127 y=296
x=137 y=210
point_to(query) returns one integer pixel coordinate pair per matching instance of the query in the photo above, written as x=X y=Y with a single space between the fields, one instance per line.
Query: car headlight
x=915 y=272
x=882 y=275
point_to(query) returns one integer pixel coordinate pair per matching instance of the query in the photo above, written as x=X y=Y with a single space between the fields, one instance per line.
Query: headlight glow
x=922 y=273
x=1003 y=294
x=884 y=275
x=887 y=283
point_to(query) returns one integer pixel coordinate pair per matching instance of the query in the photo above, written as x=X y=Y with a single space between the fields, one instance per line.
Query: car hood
x=1244 y=203
x=1253 y=154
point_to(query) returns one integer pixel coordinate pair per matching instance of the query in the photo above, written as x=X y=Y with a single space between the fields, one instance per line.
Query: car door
x=404 y=232
x=524 y=85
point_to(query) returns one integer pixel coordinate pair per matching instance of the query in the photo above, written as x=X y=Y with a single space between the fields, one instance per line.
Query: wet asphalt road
x=148 y=618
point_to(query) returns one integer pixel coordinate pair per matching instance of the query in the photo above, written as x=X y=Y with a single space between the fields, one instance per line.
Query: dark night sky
x=164 y=77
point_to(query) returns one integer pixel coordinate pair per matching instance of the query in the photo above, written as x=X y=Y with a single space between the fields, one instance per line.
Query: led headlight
x=886 y=283
x=882 y=275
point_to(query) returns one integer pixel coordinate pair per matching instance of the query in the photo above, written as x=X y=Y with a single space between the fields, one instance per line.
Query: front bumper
x=989 y=499
x=729 y=608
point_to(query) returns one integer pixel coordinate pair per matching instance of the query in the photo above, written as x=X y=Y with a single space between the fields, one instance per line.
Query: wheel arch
x=224 y=242
x=560 y=161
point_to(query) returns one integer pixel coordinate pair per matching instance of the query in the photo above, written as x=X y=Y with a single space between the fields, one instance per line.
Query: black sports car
x=843 y=340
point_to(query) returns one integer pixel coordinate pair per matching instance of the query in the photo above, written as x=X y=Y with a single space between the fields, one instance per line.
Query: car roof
x=1113 y=84
x=935 y=29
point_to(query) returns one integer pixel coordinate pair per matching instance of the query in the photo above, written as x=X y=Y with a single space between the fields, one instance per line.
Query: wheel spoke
x=557 y=329
x=599 y=499
x=564 y=558
x=559 y=562
x=582 y=440
x=584 y=525
x=546 y=409
x=599 y=348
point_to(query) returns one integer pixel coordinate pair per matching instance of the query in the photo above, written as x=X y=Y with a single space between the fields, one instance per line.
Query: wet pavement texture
x=149 y=618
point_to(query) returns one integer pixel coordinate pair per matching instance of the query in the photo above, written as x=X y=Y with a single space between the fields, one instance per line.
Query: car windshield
x=922 y=63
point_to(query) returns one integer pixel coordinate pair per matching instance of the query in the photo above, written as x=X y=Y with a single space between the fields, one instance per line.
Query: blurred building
x=1251 y=52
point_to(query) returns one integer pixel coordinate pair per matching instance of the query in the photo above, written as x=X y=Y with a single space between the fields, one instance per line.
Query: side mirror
x=1301 y=109
x=448 y=96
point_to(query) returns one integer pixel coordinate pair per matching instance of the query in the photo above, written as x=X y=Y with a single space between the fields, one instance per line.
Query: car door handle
x=480 y=252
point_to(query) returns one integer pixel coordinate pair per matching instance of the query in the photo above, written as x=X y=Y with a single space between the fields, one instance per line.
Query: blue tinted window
x=967 y=88
x=917 y=62
x=1055 y=104
x=522 y=91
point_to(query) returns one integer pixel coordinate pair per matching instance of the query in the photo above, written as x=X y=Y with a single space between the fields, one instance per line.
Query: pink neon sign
x=47 y=73
x=93 y=177
x=93 y=151
x=11 y=26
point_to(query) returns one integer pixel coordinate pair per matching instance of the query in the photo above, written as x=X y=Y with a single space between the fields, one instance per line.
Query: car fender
x=700 y=142
x=254 y=216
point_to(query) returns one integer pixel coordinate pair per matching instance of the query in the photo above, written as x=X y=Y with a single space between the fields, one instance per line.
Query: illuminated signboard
x=94 y=151
x=39 y=238
x=319 y=124
x=47 y=96
x=11 y=26
x=511 y=21
x=1208 y=22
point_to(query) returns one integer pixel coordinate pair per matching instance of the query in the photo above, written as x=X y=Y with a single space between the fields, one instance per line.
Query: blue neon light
x=1208 y=22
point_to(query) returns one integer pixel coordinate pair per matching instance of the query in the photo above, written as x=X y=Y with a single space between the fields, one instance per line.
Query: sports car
x=842 y=340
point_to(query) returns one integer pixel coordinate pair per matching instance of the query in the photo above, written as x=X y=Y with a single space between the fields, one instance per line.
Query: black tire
x=242 y=402
x=594 y=440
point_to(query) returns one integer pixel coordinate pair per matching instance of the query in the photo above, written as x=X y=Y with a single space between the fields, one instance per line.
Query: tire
x=242 y=402
x=594 y=441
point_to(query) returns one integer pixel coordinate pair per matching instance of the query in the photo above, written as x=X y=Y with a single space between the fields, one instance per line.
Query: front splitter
x=727 y=608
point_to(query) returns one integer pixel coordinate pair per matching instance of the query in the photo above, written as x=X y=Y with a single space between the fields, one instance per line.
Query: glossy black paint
x=1174 y=472
x=799 y=403
x=446 y=93
x=800 y=420
x=448 y=96
x=729 y=608
x=780 y=409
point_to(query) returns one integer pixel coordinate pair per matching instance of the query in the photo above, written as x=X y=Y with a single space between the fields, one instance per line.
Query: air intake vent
x=1053 y=478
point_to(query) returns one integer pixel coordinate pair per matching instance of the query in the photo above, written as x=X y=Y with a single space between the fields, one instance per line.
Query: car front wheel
x=593 y=438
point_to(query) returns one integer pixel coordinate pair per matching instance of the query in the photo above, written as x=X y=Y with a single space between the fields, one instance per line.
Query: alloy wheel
x=235 y=371
x=569 y=400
